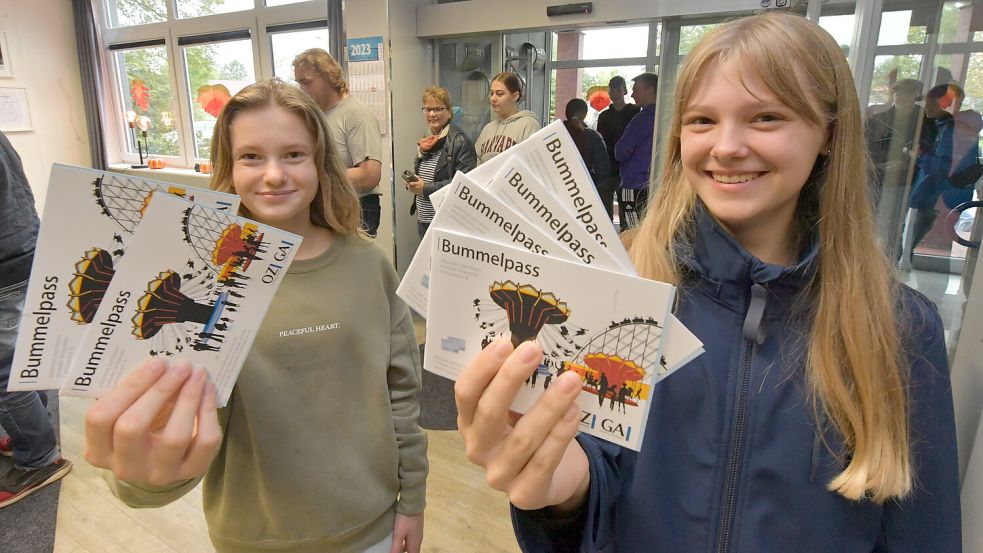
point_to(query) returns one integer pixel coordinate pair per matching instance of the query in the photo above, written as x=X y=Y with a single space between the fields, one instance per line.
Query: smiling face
x=746 y=154
x=436 y=114
x=273 y=167
x=503 y=102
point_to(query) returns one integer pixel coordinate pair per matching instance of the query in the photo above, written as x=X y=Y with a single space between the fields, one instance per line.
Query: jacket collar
x=714 y=254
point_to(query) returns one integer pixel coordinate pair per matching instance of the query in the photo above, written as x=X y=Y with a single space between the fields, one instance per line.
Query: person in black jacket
x=611 y=124
x=589 y=142
x=30 y=440
x=444 y=151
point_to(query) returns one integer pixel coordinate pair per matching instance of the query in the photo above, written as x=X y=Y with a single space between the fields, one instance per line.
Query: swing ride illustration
x=122 y=200
x=190 y=306
x=617 y=363
x=196 y=309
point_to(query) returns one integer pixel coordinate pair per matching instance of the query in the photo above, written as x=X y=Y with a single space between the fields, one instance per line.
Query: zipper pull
x=755 y=327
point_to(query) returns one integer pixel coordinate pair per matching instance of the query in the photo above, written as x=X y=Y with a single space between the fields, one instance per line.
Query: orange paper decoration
x=212 y=98
x=140 y=94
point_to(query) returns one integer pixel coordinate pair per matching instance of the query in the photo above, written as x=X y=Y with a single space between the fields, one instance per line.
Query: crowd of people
x=819 y=417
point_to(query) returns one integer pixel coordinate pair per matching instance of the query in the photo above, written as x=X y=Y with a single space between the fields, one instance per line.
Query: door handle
x=953 y=217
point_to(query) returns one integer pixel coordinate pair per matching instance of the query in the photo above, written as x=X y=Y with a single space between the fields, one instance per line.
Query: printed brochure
x=469 y=209
x=608 y=327
x=195 y=284
x=89 y=217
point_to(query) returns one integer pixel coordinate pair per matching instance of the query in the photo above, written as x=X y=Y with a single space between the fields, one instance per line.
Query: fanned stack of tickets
x=126 y=269
x=522 y=247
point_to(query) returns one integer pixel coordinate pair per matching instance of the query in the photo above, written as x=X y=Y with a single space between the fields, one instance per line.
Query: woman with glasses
x=444 y=151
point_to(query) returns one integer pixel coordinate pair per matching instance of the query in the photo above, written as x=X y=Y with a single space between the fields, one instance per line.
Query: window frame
x=260 y=22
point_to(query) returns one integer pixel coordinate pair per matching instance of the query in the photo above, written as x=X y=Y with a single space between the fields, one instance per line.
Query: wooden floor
x=463 y=514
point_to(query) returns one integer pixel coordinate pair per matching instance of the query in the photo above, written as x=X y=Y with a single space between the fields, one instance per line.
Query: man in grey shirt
x=353 y=127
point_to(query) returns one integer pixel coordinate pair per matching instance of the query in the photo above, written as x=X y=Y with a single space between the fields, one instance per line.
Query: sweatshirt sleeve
x=629 y=140
x=141 y=495
x=405 y=377
x=589 y=528
x=928 y=519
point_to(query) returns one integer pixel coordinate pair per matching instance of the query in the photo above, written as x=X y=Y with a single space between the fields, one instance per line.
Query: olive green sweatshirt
x=321 y=443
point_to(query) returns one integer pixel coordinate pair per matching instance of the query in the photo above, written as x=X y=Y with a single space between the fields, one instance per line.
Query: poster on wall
x=14 y=113
x=6 y=70
x=367 y=76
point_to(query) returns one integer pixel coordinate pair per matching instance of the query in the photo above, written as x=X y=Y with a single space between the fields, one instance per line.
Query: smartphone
x=409 y=176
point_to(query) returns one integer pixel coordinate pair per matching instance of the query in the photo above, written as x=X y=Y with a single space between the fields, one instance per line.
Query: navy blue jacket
x=732 y=461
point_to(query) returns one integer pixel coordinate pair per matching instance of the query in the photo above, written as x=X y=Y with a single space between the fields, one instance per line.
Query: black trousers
x=371 y=211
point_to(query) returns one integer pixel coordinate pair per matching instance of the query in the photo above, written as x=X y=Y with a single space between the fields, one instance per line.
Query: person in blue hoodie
x=820 y=416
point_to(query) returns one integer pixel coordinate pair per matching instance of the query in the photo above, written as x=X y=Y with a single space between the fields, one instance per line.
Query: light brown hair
x=855 y=369
x=511 y=82
x=324 y=65
x=439 y=94
x=335 y=206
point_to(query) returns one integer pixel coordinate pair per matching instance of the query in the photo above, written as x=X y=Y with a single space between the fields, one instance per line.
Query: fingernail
x=528 y=351
x=198 y=375
x=571 y=413
x=568 y=382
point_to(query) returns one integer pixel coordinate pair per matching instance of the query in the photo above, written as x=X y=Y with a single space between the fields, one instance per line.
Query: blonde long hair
x=335 y=206
x=854 y=366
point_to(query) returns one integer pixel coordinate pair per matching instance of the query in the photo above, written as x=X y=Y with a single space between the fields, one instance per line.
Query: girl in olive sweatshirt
x=318 y=448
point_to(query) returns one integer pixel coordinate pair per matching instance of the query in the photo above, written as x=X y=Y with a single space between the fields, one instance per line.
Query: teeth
x=735 y=179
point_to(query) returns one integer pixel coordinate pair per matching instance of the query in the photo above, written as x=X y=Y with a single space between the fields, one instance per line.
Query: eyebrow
x=751 y=106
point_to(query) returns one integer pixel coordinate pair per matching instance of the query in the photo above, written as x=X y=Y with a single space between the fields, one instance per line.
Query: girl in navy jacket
x=820 y=417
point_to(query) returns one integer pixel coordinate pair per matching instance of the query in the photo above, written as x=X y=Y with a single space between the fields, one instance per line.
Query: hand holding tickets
x=159 y=426
x=517 y=249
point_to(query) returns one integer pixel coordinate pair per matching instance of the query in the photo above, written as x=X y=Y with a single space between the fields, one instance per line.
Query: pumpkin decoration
x=155 y=163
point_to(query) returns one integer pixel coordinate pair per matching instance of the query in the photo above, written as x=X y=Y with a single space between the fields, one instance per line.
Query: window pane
x=197 y=8
x=689 y=35
x=887 y=71
x=287 y=45
x=146 y=74
x=840 y=27
x=901 y=27
x=601 y=44
x=567 y=84
x=282 y=2
x=216 y=71
x=123 y=13
x=958 y=25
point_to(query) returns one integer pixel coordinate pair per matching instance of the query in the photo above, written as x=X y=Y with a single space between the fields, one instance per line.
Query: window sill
x=185 y=177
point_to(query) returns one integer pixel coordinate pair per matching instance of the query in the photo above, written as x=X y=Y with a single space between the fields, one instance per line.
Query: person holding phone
x=444 y=151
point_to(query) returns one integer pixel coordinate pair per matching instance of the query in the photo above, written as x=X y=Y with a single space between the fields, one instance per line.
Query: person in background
x=589 y=142
x=354 y=129
x=935 y=164
x=634 y=152
x=318 y=448
x=820 y=416
x=30 y=439
x=509 y=125
x=890 y=142
x=611 y=124
x=444 y=151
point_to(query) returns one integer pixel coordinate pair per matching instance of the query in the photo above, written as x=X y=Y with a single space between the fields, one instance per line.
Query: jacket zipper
x=754 y=332
x=733 y=463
